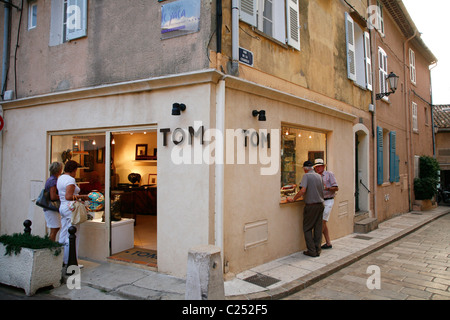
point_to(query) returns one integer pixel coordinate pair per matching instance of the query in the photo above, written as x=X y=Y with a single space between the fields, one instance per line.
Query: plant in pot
x=30 y=262
x=425 y=187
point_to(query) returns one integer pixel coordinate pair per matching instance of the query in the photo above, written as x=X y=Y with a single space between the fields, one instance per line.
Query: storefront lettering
x=179 y=135
x=195 y=145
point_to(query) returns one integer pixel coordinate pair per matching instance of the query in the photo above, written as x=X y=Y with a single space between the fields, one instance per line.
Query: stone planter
x=424 y=205
x=31 y=269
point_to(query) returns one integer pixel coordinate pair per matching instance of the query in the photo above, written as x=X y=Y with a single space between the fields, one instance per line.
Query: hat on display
x=307 y=164
x=319 y=162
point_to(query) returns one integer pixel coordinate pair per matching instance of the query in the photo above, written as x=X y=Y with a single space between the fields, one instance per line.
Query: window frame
x=32 y=15
x=415 y=117
x=412 y=66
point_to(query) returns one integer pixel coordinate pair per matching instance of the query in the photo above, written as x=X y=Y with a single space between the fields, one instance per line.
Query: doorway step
x=363 y=223
x=139 y=257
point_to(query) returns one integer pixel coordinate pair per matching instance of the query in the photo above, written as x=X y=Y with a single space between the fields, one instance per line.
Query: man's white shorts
x=328 y=206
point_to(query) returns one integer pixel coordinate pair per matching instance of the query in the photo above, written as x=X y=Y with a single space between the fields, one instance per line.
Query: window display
x=297 y=146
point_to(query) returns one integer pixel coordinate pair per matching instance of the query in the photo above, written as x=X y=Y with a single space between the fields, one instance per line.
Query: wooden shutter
x=247 y=11
x=368 y=61
x=293 y=24
x=392 y=156
x=76 y=19
x=379 y=155
x=351 y=49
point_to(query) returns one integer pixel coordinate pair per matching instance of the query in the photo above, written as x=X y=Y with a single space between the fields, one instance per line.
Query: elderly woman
x=53 y=218
x=68 y=191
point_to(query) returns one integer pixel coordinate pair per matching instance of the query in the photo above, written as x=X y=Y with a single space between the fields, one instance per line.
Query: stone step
x=365 y=225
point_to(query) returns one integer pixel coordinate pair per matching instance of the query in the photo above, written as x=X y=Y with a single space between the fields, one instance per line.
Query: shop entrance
x=133 y=187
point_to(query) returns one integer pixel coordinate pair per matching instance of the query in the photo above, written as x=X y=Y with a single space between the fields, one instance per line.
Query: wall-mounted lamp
x=261 y=114
x=392 y=79
x=177 y=108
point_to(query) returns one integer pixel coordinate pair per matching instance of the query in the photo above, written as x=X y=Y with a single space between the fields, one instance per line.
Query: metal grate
x=261 y=280
x=363 y=237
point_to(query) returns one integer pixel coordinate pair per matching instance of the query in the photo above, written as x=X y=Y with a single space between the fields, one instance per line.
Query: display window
x=122 y=166
x=297 y=146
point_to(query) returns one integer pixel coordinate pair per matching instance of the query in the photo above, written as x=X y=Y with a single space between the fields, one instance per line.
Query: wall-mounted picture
x=141 y=152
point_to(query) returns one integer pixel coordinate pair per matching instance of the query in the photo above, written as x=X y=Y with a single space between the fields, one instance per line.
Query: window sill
x=262 y=34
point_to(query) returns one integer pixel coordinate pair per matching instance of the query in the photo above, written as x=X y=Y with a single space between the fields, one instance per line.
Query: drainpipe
x=408 y=120
x=6 y=32
x=234 y=68
x=432 y=112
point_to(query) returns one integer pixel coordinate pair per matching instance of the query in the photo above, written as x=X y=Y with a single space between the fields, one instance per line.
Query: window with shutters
x=278 y=19
x=68 y=20
x=359 y=63
x=383 y=71
x=412 y=66
x=388 y=161
x=414 y=117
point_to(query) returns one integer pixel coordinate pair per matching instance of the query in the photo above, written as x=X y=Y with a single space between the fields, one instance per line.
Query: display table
x=93 y=238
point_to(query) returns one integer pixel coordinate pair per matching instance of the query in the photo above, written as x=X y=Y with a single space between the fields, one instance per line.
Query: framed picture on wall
x=141 y=152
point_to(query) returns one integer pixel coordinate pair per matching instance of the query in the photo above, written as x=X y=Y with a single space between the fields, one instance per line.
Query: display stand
x=93 y=238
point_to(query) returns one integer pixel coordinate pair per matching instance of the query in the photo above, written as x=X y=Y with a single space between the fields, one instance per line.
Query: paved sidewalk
x=110 y=281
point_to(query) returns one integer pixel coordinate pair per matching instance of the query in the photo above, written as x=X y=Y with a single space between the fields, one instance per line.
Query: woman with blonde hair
x=53 y=218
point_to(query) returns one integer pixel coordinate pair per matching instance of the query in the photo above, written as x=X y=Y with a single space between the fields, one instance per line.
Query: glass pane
x=297 y=146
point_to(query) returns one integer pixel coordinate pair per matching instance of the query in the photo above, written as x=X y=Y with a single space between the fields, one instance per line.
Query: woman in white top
x=68 y=191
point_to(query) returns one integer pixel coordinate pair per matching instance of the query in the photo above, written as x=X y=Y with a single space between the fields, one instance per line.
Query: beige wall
x=252 y=211
x=183 y=190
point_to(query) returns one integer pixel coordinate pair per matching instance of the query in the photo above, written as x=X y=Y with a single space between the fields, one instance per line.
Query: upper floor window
x=68 y=20
x=359 y=63
x=383 y=71
x=412 y=66
x=278 y=19
x=32 y=15
x=415 y=123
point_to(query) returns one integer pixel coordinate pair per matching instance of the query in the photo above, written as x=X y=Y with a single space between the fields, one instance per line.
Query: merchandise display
x=97 y=202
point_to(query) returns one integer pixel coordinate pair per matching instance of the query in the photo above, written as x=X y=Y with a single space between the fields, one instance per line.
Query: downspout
x=234 y=68
x=6 y=33
x=432 y=112
x=374 y=117
x=408 y=121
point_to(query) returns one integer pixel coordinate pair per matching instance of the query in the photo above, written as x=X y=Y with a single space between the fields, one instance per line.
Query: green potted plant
x=425 y=186
x=30 y=262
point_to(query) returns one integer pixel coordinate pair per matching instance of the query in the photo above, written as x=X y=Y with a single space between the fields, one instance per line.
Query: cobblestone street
x=414 y=267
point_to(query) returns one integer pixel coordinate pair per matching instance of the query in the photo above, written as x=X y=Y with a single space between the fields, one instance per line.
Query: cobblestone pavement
x=414 y=267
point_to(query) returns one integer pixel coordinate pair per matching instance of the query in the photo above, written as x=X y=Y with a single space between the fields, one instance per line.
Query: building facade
x=99 y=80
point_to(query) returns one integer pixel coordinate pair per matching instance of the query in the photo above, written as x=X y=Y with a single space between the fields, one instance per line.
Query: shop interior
x=133 y=181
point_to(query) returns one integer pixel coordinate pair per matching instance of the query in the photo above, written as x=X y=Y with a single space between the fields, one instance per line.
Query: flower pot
x=30 y=269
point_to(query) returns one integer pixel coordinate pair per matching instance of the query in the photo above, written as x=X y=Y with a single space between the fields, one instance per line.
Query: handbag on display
x=43 y=201
x=79 y=212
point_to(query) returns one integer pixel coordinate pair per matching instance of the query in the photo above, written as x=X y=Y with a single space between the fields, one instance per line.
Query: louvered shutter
x=351 y=50
x=293 y=24
x=247 y=11
x=368 y=61
x=392 y=156
x=380 y=155
x=76 y=19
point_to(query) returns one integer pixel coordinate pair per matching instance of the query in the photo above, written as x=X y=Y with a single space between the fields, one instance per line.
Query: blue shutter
x=397 y=168
x=380 y=155
x=392 y=157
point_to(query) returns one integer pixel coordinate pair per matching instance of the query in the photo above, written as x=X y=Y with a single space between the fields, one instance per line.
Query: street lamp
x=392 y=79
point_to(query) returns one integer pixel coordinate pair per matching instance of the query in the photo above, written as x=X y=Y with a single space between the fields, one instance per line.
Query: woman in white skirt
x=53 y=218
x=68 y=191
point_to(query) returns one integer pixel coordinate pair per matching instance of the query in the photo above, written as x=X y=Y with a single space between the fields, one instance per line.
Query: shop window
x=89 y=152
x=297 y=146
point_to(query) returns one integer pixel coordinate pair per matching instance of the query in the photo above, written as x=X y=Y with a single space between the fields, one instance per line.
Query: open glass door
x=133 y=194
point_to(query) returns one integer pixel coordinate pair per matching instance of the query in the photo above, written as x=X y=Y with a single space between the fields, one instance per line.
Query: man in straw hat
x=330 y=187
